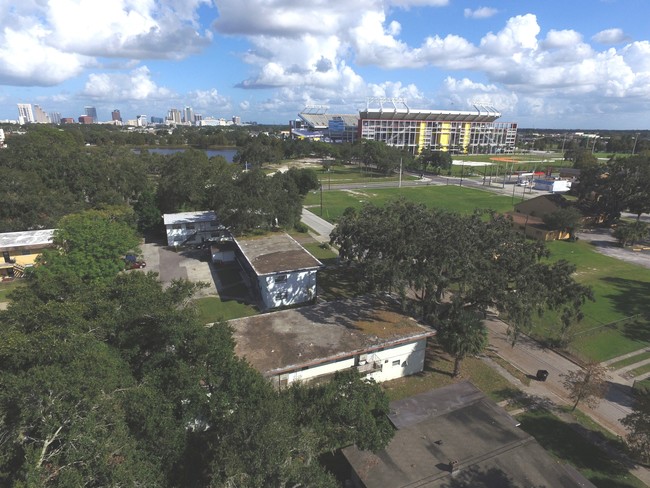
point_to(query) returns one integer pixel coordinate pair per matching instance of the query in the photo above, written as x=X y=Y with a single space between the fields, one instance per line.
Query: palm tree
x=462 y=334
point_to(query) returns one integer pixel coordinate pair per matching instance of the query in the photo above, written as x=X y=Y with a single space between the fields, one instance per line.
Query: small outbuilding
x=283 y=272
x=456 y=436
x=369 y=334
x=191 y=228
x=552 y=185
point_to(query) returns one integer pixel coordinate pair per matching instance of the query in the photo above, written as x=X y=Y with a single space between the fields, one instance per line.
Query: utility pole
x=321 y=199
x=634 y=147
x=400 y=172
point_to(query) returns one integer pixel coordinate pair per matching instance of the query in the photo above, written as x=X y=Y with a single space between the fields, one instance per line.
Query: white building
x=19 y=250
x=187 y=228
x=25 y=113
x=554 y=186
x=283 y=270
x=369 y=334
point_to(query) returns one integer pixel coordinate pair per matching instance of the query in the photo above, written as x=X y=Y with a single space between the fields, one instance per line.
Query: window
x=396 y=362
x=281 y=278
x=214 y=223
x=176 y=226
x=190 y=226
x=281 y=296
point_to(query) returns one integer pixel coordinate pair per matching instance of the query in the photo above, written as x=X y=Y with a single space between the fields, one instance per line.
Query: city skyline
x=581 y=64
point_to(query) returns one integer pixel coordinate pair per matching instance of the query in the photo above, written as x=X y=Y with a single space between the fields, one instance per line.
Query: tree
x=637 y=424
x=628 y=233
x=586 y=385
x=567 y=219
x=462 y=334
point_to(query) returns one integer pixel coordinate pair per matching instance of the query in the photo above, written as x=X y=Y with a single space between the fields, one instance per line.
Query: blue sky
x=542 y=63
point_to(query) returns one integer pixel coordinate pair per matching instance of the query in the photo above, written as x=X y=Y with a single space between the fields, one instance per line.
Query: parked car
x=132 y=262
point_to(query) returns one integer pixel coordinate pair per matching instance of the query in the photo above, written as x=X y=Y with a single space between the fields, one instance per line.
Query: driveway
x=605 y=243
x=191 y=264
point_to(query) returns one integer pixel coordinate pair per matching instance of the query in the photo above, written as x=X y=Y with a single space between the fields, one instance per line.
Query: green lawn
x=631 y=360
x=355 y=174
x=7 y=287
x=212 y=309
x=621 y=290
x=324 y=254
x=640 y=370
x=454 y=198
x=569 y=446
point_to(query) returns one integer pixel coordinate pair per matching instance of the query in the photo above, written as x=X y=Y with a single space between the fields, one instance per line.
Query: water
x=229 y=154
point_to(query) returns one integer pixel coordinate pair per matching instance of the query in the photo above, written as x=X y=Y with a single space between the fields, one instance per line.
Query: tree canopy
x=478 y=258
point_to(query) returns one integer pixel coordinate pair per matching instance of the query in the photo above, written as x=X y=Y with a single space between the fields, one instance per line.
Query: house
x=188 y=228
x=542 y=205
x=282 y=272
x=369 y=334
x=535 y=228
x=456 y=436
x=20 y=250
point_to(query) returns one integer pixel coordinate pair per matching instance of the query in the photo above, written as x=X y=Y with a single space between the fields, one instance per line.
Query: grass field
x=7 y=287
x=569 y=446
x=354 y=174
x=212 y=309
x=621 y=290
x=637 y=358
x=324 y=255
x=453 y=198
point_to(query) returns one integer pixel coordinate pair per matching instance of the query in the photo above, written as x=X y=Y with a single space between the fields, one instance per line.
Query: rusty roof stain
x=276 y=253
x=307 y=335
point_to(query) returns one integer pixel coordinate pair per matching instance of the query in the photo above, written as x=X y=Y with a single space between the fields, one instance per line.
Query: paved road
x=605 y=243
x=321 y=227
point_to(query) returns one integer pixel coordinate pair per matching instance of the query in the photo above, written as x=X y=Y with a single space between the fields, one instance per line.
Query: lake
x=229 y=154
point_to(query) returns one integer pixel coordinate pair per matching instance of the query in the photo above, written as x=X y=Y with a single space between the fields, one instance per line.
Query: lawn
x=621 y=291
x=212 y=309
x=454 y=198
x=355 y=174
x=569 y=446
x=637 y=358
x=7 y=287
x=324 y=254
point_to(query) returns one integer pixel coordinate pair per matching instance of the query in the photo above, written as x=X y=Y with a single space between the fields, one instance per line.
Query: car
x=132 y=262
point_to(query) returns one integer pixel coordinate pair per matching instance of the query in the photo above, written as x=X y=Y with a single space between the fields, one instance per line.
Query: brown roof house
x=457 y=437
x=369 y=334
x=528 y=217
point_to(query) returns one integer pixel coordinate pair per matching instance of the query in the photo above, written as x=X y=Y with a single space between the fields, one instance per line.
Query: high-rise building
x=157 y=120
x=236 y=120
x=198 y=118
x=55 y=118
x=174 y=116
x=67 y=120
x=188 y=115
x=25 y=114
x=91 y=112
x=86 y=119
x=40 y=117
x=141 y=120
x=116 y=116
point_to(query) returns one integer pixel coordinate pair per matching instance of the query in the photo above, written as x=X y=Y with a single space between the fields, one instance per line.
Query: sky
x=570 y=64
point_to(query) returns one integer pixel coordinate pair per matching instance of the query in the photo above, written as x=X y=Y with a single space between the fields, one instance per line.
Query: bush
x=302 y=228
x=324 y=245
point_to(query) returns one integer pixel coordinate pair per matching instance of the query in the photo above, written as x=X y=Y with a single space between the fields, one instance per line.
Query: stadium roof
x=321 y=121
x=485 y=114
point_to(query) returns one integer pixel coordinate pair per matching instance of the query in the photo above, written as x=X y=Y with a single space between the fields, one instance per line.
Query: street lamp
x=635 y=139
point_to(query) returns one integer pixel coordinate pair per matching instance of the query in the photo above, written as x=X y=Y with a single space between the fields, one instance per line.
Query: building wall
x=190 y=233
x=455 y=137
x=387 y=364
x=284 y=289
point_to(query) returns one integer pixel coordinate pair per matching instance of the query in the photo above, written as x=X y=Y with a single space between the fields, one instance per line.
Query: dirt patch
x=385 y=324
x=313 y=163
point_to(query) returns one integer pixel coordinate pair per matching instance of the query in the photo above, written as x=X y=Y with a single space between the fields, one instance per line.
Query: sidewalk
x=528 y=356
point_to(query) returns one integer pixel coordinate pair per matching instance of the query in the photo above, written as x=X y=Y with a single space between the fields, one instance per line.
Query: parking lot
x=191 y=264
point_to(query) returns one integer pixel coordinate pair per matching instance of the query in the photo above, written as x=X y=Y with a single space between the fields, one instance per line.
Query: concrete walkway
x=321 y=227
x=529 y=356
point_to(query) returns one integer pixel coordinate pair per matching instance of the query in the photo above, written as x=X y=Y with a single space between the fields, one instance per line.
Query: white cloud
x=48 y=42
x=480 y=13
x=136 y=85
x=209 y=100
x=611 y=36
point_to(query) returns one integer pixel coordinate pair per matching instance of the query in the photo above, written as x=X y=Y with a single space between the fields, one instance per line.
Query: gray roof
x=430 y=115
x=321 y=121
x=458 y=423
x=276 y=253
x=29 y=239
x=189 y=217
x=291 y=339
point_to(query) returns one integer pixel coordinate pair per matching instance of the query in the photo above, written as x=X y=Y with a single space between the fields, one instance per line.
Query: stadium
x=392 y=121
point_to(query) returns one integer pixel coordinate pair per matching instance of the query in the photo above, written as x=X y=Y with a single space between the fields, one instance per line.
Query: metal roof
x=480 y=115
x=321 y=121
x=26 y=239
x=189 y=217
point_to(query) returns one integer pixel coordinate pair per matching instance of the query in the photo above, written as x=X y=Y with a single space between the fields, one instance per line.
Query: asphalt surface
x=605 y=243
x=321 y=227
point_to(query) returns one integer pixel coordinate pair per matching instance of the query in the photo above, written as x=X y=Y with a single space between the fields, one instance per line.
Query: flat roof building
x=312 y=343
x=456 y=436
x=188 y=228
